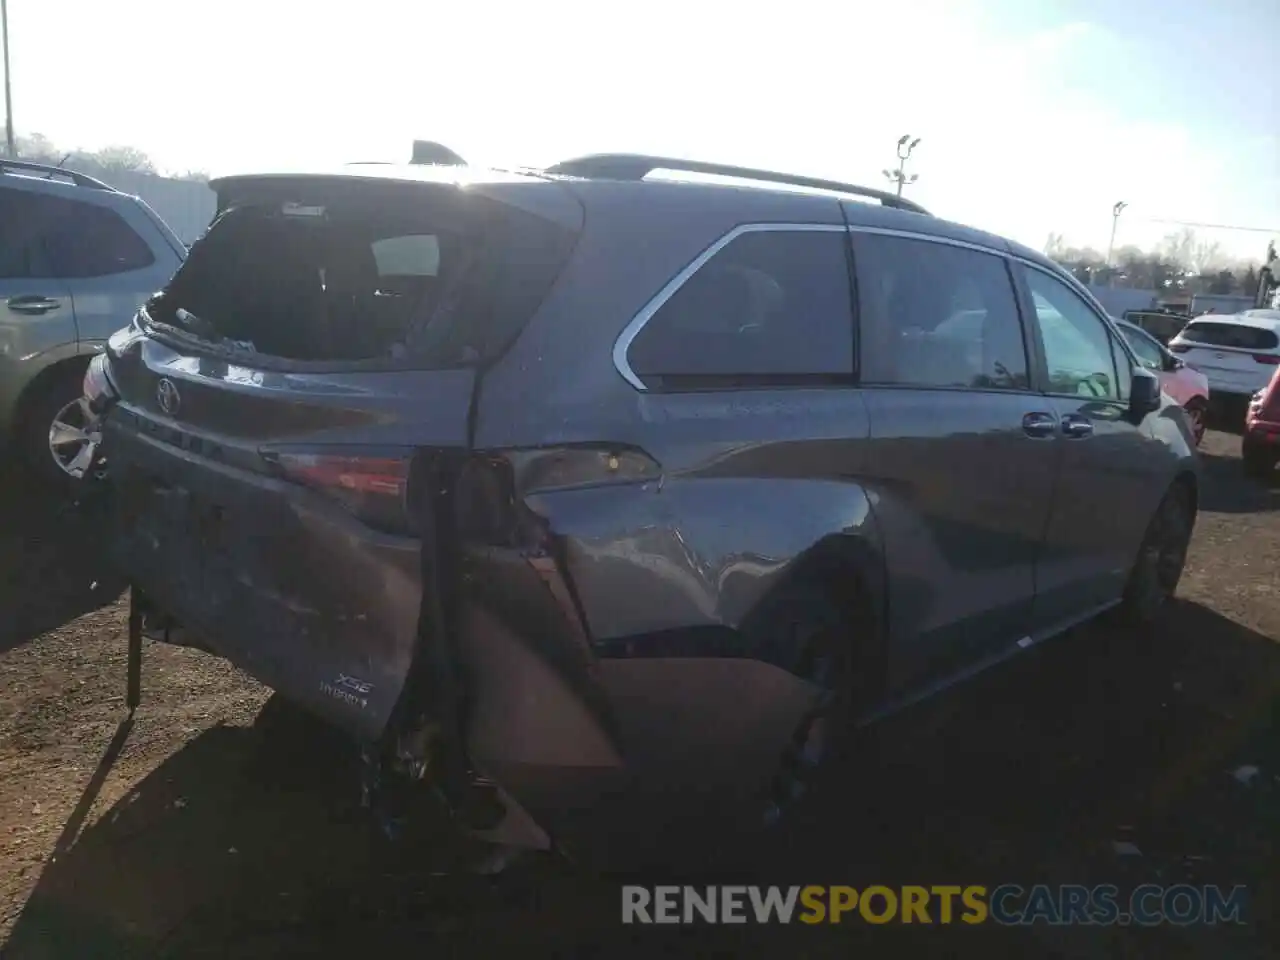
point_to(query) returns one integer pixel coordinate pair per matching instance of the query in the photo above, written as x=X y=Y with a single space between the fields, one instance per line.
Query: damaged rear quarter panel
x=666 y=572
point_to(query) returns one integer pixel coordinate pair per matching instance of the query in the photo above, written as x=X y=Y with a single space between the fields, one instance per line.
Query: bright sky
x=1035 y=115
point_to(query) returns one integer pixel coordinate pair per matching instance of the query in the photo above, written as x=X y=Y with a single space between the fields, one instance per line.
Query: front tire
x=1197 y=413
x=1160 y=561
x=59 y=437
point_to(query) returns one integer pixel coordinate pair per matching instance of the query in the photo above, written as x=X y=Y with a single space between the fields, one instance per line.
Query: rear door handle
x=1076 y=426
x=33 y=303
x=1039 y=424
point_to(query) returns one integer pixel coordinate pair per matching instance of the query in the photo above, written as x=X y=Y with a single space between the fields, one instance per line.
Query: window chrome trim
x=623 y=344
x=928 y=238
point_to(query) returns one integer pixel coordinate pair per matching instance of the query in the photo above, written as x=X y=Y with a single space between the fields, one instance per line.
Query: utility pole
x=1115 y=220
x=899 y=176
x=8 y=96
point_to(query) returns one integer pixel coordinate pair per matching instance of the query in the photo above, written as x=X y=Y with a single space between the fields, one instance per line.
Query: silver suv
x=77 y=257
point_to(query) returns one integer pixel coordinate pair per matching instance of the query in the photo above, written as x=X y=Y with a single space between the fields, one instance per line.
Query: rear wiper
x=193 y=324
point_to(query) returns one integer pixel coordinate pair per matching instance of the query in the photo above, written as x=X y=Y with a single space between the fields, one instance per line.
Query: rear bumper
x=326 y=611
x=283 y=585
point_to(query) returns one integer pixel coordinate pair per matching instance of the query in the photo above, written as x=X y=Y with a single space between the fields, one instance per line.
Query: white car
x=1237 y=352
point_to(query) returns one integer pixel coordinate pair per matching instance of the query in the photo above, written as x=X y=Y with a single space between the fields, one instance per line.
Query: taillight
x=1179 y=347
x=1270 y=359
x=372 y=485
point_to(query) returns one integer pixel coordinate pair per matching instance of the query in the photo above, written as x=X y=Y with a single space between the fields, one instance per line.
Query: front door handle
x=1039 y=424
x=33 y=303
x=1076 y=426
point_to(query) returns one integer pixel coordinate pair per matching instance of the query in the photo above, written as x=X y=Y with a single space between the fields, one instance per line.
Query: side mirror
x=1172 y=363
x=1144 y=393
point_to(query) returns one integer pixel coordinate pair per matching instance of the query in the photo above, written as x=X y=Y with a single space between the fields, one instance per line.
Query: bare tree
x=119 y=159
x=1055 y=246
x=1179 y=247
x=104 y=162
x=1206 y=254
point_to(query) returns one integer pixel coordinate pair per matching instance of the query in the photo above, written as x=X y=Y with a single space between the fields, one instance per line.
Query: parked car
x=1260 y=445
x=1164 y=325
x=1185 y=384
x=76 y=259
x=1237 y=352
x=588 y=490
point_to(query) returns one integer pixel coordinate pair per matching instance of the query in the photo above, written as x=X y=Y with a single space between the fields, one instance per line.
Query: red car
x=1260 y=447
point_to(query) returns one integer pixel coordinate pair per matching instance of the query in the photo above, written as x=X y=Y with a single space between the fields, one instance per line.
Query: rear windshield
x=437 y=277
x=1216 y=333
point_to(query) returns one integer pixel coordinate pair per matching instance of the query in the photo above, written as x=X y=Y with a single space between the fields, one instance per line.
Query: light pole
x=8 y=97
x=899 y=176
x=1115 y=220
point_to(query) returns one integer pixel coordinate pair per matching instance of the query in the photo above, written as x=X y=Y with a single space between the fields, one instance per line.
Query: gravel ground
x=200 y=830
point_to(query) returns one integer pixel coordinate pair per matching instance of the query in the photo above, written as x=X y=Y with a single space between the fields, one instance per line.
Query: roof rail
x=49 y=170
x=634 y=166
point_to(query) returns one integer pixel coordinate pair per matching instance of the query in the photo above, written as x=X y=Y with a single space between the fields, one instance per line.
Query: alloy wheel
x=74 y=437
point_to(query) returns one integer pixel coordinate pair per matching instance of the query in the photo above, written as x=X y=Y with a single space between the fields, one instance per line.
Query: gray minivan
x=575 y=486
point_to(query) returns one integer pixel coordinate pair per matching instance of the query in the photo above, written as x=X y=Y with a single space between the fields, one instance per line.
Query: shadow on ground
x=244 y=842
x=53 y=563
x=1227 y=489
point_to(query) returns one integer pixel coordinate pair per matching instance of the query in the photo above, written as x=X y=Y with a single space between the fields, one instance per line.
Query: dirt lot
x=192 y=832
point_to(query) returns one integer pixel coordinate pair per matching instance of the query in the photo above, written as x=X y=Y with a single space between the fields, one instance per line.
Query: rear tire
x=1160 y=561
x=805 y=630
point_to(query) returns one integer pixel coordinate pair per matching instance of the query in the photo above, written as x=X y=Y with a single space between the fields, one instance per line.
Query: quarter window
x=936 y=315
x=1077 y=346
x=772 y=304
x=415 y=255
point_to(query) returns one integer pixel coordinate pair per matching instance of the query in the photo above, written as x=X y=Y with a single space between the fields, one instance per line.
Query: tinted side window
x=25 y=218
x=770 y=304
x=1077 y=346
x=934 y=315
x=92 y=241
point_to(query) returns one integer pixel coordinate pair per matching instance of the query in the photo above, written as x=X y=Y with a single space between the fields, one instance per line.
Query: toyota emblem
x=167 y=396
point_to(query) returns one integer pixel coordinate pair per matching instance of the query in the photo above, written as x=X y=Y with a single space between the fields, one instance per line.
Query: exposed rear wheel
x=1160 y=560
x=803 y=629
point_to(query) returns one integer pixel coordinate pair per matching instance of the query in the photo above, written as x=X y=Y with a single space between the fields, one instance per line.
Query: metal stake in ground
x=133 y=690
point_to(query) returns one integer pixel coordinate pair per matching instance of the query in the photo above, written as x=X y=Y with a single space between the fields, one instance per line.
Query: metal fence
x=186 y=206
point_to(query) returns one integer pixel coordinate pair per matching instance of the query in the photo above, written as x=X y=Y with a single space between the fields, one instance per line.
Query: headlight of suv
x=98 y=389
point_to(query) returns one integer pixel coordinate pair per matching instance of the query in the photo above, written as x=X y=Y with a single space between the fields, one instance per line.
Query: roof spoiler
x=634 y=166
